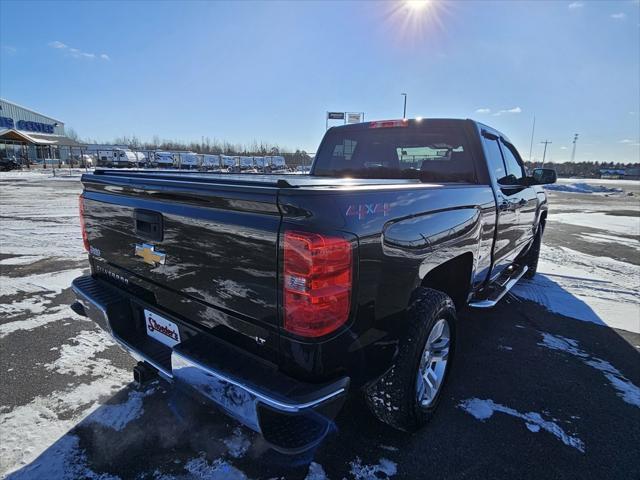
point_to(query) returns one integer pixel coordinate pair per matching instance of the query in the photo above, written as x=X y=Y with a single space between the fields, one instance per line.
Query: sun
x=417 y=5
x=412 y=22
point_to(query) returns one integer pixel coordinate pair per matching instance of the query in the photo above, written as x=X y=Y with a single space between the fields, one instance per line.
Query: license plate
x=161 y=329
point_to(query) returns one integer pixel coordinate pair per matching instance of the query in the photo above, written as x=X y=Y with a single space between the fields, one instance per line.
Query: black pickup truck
x=275 y=296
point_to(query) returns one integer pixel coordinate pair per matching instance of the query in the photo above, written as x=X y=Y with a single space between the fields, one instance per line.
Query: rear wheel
x=408 y=394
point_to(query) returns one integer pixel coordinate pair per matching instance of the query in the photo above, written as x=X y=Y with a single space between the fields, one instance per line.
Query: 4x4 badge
x=149 y=254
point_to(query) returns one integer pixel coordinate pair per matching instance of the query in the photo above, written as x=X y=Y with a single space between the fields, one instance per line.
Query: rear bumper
x=291 y=415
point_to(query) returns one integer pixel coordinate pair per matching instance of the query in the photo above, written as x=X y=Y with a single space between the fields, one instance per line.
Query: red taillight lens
x=389 y=123
x=317 y=283
x=85 y=239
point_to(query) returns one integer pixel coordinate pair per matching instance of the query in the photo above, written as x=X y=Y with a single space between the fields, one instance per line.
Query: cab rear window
x=430 y=153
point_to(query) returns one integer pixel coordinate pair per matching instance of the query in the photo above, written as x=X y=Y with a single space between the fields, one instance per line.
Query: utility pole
x=533 y=129
x=544 y=154
x=573 y=153
x=404 y=111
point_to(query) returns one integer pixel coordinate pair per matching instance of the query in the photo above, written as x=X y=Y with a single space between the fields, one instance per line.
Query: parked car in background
x=8 y=163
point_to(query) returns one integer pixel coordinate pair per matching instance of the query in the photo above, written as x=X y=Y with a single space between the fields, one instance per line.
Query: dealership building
x=27 y=136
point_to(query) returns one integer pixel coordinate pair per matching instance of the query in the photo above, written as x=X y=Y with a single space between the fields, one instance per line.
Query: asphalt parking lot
x=534 y=393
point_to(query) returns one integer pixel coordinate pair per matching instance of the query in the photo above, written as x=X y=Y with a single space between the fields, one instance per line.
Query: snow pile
x=484 y=409
x=581 y=188
x=625 y=389
x=585 y=287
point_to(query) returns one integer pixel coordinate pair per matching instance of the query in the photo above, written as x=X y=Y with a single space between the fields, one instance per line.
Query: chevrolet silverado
x=276 y=296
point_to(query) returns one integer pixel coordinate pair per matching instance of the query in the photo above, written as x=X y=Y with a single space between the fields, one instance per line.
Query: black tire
x=393 y=398
x=532 y=256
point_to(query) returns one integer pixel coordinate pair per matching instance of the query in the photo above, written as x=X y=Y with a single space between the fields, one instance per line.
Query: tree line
x=293 y=158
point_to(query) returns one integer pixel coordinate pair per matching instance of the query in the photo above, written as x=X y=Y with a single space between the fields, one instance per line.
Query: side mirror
x=543 y=176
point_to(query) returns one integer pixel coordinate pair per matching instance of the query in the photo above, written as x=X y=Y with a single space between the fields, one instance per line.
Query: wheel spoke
x=433 y=363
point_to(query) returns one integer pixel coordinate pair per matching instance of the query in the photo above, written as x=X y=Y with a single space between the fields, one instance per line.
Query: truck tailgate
x=202 y=250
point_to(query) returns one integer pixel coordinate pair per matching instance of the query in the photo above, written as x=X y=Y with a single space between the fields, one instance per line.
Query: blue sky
x=269 y=71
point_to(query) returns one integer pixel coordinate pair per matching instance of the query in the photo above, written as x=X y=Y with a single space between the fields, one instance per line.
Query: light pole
x=573 y=153
x=404 y=111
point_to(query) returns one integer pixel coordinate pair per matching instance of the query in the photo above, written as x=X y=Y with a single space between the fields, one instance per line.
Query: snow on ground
x=625 y=225
x=582 y=187
x=39 y=217
x=316 y=472
x=78 y=356
x=385 y=468
x=629 y=392
x=29 y=430
x=219 y=469
x=609 y=239
x=237 y=443
x=484 y=409
x=55 y=314
x=599 y=181
x=64 y=461
x=120 y=415
x=51 y=283
x=585 y=287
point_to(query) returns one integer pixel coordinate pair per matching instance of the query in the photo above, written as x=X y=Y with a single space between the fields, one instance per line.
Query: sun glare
x=413 y=21
x=417 y=5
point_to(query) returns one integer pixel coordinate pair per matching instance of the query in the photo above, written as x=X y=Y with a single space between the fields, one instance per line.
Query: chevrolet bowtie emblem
x=149 y=254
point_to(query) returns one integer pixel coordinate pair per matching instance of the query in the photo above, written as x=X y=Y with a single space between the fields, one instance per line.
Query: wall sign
x=6 y=122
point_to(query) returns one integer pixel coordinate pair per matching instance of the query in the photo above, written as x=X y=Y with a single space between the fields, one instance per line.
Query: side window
x=515 y=171
x=494 y=159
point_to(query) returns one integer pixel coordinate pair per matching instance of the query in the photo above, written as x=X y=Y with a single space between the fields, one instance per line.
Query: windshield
x=428 y=153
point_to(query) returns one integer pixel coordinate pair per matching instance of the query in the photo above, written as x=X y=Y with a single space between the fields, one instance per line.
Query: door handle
x=522 y=202
x=148 y=224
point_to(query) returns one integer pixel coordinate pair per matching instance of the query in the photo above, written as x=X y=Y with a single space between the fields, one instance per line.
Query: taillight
x=317 y=283
x=389 y=123
x=83 y=227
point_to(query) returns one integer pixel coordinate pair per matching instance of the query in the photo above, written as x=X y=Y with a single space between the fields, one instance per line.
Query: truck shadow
x=574 y=374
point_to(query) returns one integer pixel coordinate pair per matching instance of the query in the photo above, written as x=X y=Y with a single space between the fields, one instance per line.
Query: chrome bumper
x=250 y=403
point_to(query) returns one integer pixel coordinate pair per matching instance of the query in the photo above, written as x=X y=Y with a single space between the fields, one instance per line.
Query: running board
x=499 y=290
